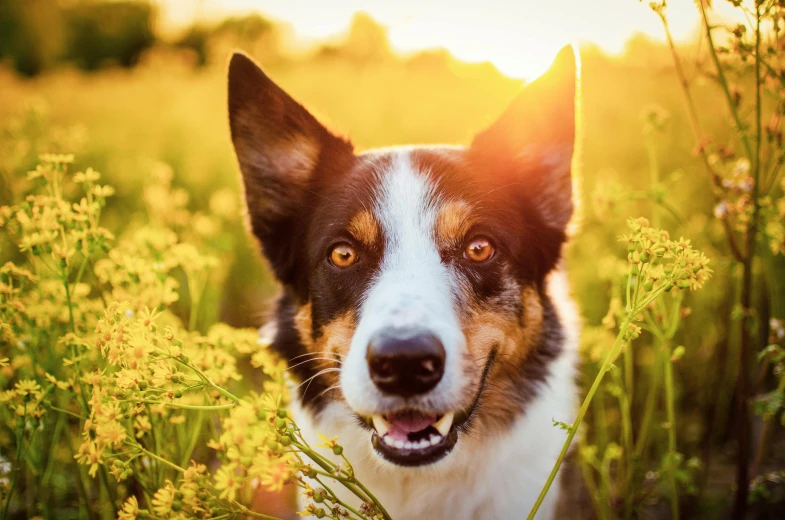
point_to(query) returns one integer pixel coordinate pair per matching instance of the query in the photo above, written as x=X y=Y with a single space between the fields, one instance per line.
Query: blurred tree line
x=37 y=35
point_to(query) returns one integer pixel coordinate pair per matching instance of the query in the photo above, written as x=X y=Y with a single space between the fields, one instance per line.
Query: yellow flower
x=90 y=454
x=4 y=362
x=328 y=443
x=142 y=425
x=163 y=499
x=227 y=482
x=276 y=474
x=110 y=433
x=27 y=387
x=130 y=509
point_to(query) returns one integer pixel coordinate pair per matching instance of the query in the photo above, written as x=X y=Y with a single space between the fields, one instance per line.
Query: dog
x=425 y=311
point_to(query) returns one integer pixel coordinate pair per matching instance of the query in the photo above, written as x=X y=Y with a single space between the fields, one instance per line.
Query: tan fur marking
x=514 y=340
x=532 y=317
x=303 y=324
x=364 y=228
x=453 y=223
x=333 y=339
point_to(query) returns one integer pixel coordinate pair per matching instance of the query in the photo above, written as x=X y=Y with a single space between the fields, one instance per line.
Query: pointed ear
x=534 y=139
x=283 y=151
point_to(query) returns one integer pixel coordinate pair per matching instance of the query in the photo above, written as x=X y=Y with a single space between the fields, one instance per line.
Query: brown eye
x=343 y=255
x=479 y=249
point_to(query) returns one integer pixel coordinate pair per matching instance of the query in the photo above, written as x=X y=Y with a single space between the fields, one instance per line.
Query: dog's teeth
x=389 y=441
x=443 y=425
x=408 y=445
x=424 y=444
x=381 y=426
x=398 y=444
x=435 y=439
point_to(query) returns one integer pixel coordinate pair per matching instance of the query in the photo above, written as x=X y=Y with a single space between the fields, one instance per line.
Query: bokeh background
x=132 y=86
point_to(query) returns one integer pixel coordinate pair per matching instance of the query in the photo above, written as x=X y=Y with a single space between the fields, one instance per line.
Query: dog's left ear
x=532 y=143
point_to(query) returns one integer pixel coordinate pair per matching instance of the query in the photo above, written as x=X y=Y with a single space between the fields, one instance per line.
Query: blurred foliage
x=37 y=34
x=115 y=32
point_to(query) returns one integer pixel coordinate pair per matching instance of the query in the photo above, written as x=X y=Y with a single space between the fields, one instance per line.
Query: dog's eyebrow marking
x=453 y=223
x=365 y=228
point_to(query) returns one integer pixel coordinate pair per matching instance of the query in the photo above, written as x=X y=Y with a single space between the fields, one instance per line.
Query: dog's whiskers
x=337 y=361
x=334 y=387
x=315 y=354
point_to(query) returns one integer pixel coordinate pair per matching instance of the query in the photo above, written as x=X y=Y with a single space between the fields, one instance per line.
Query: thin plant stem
x=581 y=413
x=764 y=436
x=670 y=410
x=723 y=81
x=19 y=443
x=697 y=131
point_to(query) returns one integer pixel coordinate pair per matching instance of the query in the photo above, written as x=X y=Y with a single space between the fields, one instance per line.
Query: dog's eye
x=479 y=249
x=343 y=255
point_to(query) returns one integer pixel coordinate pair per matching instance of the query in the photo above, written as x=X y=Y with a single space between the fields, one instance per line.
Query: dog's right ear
x=283 y=153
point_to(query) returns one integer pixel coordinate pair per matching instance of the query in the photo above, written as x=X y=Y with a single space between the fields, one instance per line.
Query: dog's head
x=414 y=277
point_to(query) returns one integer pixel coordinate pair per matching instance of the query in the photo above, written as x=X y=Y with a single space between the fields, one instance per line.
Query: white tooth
x=398 y=444
x=435 y=439
x=443 y=425
x=424 y=444
x=408 y=445
x=388 y=440
x=382 y=426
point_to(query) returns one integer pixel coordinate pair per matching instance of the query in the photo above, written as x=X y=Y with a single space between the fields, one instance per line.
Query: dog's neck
x=495 y=476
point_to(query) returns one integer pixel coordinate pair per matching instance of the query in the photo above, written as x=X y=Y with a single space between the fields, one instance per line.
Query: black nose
x=405 y=363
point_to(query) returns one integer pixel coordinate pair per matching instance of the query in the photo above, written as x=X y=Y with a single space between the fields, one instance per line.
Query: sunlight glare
x=519 y=38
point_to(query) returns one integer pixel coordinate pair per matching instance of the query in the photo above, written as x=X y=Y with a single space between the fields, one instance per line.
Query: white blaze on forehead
x=412 y=290
x=412 y=287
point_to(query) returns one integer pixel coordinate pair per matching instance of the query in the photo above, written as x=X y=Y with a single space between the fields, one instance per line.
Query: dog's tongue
x=404 y=423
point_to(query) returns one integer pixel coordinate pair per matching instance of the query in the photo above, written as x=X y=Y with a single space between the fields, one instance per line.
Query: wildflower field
x=134 y=381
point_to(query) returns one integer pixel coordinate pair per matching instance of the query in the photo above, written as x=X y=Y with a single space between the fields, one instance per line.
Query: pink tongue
x=403 y=423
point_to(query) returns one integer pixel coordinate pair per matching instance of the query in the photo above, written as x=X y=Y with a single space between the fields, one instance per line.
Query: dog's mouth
x=414 y=438
x=410 y=437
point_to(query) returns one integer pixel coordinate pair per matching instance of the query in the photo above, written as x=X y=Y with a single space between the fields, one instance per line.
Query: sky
x=520 y=37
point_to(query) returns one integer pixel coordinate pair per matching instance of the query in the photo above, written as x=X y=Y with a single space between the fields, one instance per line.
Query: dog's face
x=414 y=277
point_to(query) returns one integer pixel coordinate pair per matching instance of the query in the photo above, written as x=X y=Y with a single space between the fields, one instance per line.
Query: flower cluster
x=661 y=263
x=100 y=349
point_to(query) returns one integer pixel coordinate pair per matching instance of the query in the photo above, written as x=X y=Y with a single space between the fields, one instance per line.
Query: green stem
x=581 y=413
x=67 y=412
x=626 y=424
x=18 y=465
x=188 y=406
x=336 y=499
x=654 y=171
x=194 y=439
x=204 y=378
x=671 y=418
x=348 y=482
x=723 y=81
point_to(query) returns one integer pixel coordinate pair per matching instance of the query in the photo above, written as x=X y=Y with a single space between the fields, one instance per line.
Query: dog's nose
x=405 y=364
